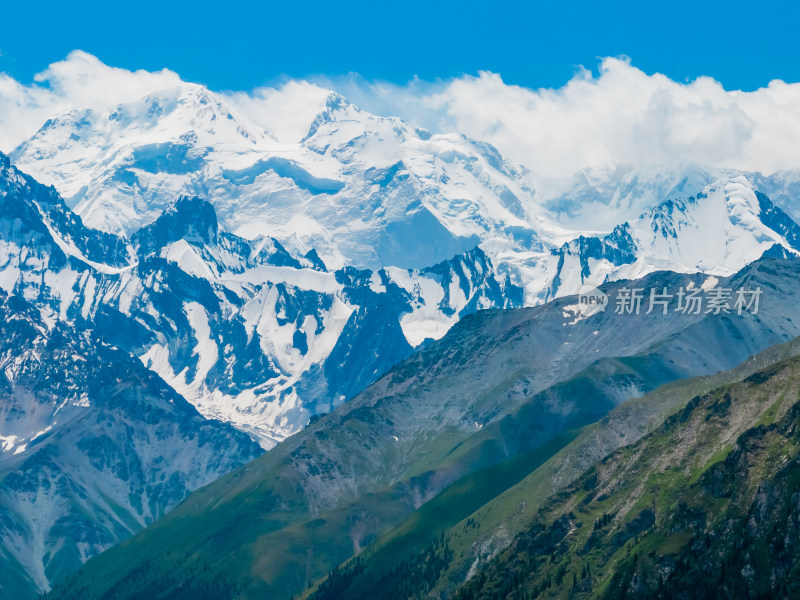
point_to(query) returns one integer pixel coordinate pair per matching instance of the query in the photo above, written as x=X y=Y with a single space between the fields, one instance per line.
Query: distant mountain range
x=183 y=292
x=371 y=192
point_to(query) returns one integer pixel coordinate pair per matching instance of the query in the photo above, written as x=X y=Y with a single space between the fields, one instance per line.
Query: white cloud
x=79 y=81
x=286 y=111
x=622 y=115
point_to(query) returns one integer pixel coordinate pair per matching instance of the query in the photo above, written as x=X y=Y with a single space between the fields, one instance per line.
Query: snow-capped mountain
x=718 y=231
x=86 y=154
x=263 y=339
x=361 y=190
x=93 y=447
x=372 y=192
x=248 y=333
x=357 y=224
x=598 y=199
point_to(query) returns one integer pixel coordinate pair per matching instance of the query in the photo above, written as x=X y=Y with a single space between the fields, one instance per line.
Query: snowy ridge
x=339 y=232
x=297 y=318
x=247 y=332
x=719 y=231
x=264 y=339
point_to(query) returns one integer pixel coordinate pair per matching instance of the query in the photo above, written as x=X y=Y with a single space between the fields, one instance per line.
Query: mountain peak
x=157 y=142
x=42 y=223
x=188 y=108
x=335 y=101
x=717 y=231
x=187 y=218
x=335 y=107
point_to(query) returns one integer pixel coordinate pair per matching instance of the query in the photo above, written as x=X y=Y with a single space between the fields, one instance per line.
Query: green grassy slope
x=702 y=507
x=404 y=562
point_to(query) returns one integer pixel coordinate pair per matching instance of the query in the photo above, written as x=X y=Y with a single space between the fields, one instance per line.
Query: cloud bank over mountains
x=620 y=115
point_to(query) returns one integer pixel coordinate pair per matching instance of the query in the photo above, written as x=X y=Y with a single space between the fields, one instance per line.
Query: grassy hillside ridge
x=472 y=540
x=703 y=507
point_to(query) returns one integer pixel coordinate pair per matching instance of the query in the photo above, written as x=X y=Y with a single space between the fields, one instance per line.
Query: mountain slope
x=95 y=447
x=441 y=414
x=701 y=507
x=455 y=534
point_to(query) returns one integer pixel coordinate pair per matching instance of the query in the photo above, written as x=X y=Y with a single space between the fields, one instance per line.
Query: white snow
x=206 y=349
x=71 y=250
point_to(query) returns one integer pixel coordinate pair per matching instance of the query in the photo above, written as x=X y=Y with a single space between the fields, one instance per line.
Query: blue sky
x=241 y=45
